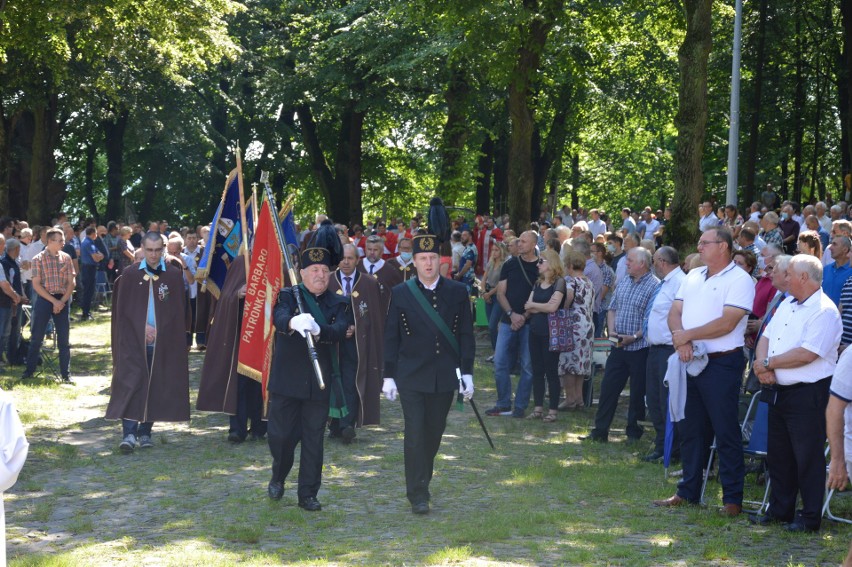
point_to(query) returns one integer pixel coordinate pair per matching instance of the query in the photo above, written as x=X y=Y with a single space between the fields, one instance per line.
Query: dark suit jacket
x=417 y=355
x=292 y=373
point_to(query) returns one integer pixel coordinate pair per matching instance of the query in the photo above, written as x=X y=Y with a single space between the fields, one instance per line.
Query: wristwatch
x=766 y=363
x=509 y=313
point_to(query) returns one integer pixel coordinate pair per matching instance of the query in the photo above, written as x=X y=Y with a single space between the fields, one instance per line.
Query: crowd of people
x=763 y=306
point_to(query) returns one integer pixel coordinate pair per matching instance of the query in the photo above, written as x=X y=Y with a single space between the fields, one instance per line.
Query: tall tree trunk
x=798 y=108
x=817 y=133
x=554 y=147
x=149 y=187
x=43 y=194
x=319 y=165
x=345 y=206
x=5 y=160
x=750 y=191
x=691 y=121
x=114 y=131
x=576 y=179
x=452 y=181
x=89 y=182
x=485 y=168
x=541 y=17
x=784 y=189
x=501 y=173
x=846 y=12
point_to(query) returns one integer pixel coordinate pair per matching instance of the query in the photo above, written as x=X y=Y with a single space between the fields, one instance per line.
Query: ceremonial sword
x=475 y=410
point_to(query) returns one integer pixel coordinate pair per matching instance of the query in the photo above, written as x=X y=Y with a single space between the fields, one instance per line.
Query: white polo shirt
x=813 y=325
x=658 y=322
x=841 y=386
x=704 y=300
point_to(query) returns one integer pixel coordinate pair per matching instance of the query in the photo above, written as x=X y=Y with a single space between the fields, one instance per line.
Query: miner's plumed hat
x=326 y=237
x=315 y=255
x=425 y=243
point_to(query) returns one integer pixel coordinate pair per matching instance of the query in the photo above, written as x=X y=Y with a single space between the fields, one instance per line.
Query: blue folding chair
x=829 y=495
x=755 y=433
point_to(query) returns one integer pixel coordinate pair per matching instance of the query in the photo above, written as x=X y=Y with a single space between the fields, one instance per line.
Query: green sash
x=433 y=315
x=335 y=409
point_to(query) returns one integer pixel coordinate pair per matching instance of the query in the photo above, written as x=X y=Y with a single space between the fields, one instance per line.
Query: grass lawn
x=542 y=498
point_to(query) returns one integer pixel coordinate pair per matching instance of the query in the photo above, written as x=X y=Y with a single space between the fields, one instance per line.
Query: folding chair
x=600 y=352
x=755 y=433
x=829 y=495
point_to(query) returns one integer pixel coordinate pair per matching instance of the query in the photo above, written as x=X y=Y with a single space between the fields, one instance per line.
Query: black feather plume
x=439 y=220
x=326 y=237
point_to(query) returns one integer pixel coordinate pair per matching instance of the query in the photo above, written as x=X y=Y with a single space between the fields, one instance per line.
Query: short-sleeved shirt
x=629 y=226
x=520 y=277
x=468 y=257
x=841 y=387
x=704 y=300
x=609 y=281
x=834 y=278
x=111 y=243
x=595 y=275
x=87 y=248
x=775 y=237
x=70 y=250
x=629 y=303
x=813 y=325
x=53 y=272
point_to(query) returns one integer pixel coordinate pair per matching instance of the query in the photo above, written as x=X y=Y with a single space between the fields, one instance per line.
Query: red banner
x=265 y=278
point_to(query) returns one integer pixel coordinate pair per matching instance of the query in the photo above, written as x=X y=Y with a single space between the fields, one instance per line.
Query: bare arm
x=834 y=421
x=716 y=328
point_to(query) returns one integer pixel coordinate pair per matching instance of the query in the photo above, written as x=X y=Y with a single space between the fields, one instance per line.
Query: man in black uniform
x=428 y=339
x=298 y=408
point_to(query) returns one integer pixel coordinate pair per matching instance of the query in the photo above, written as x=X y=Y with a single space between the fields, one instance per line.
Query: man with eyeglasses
x=710 y=310
x=53 y=280
x=150 y=315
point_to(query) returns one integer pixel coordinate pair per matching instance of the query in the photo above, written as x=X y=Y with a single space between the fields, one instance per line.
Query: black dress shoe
x=275 y=490
x=420 y=508
x=347 y=434
x=311 y=504
x=653 y=457
x=798 y=527
x=594 y=438
x=235 y=438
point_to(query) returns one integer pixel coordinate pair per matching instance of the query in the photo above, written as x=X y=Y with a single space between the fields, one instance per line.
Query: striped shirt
x=629 y=303
x=54 y=272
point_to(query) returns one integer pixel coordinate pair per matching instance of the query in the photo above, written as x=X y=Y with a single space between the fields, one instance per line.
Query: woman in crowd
x=809 y=243
x=746 y=260
x=602 y=258
x=733 y=221
x=576 y=365
x=546 y=297
x=126 y=250
x=491 y=278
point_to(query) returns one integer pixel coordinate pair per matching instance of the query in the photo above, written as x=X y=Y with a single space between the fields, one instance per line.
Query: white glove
x=315 y=329
x=467 y=382
x=303 y=324
x=389 y=389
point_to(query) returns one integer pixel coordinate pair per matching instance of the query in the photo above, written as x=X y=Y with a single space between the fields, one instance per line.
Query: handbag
x=560 y=335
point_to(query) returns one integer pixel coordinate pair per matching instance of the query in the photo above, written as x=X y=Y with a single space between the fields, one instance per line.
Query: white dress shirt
x=813 y=325
x=658 y=323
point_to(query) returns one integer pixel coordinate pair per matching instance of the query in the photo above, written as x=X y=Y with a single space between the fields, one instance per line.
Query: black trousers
x=544 y=364
x=90 y=274
x=249 y=407
x=425 y=420
x=795 y=452
x=292 y=421
x=657 y=395
x=620 y=366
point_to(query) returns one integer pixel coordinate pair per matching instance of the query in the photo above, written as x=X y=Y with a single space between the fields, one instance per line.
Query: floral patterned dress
x=579 y=360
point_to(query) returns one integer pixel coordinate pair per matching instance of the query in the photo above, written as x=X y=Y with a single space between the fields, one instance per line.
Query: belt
x=712 y=355
x=781 y=388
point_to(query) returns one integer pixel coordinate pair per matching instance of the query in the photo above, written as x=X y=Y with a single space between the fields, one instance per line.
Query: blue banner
x=225 y=239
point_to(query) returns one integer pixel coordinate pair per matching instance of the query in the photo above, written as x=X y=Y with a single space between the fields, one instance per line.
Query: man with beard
x=150 y=315
x=298 y=408
x=362 y=349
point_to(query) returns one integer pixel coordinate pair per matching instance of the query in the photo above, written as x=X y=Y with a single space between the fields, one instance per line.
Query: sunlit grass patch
x=449 y=555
